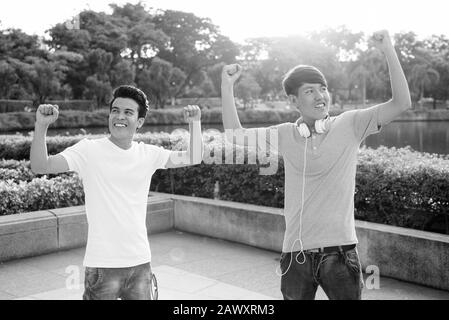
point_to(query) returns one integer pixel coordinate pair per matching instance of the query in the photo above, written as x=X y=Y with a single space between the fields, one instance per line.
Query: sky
x=242 y=19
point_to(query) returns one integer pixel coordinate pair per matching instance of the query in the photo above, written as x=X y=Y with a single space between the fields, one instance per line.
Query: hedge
x=17 y=147
x=40 y=194
x=393 y=186
x=15 y=105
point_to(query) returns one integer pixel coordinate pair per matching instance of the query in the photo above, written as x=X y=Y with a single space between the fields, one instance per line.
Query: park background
x=176 y=57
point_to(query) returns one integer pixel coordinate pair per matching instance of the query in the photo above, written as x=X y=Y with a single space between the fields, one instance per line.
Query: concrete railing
x=405 y=254
x=34 y=233
x=400 y=253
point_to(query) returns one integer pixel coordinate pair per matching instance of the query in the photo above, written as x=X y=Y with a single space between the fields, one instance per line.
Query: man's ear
x=140 y=122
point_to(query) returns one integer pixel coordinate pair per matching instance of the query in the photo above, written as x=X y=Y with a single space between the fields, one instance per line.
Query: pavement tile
x=225 y=291
x=183 y=282
x=60 y=294
x=216 y=267
x=54 y=261
x=188 y=267
x=254 y=279
x=22 y=285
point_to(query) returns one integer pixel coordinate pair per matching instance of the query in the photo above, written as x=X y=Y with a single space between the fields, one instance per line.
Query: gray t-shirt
x=328 y=215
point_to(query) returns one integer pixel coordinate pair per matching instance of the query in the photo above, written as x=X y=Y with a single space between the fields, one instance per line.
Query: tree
x=18 y=45
x=423 y=76
x=214 y=75
x=247 y=89
x=98 y=84
x=207 y=87
x=438 y=49
x=283 y=53
x=45 y=78
x=99 y=89
x=144 y=39
x=195 y=44
x=8 y=78
x=160 y=81
x=367 y=71
x=342 y=39
x=122 y=74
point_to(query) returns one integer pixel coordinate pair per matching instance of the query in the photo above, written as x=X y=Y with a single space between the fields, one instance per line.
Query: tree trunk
x=364 y=90
x=183 y=85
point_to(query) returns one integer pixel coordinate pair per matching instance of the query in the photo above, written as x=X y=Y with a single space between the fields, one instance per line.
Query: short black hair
x=299 y=75
x=134 y=93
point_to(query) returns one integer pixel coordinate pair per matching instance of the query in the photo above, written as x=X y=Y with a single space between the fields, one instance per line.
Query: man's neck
x=124 y=144
x=309 y=122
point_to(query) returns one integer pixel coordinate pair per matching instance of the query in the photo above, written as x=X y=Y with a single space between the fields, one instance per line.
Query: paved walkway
x=187 y=266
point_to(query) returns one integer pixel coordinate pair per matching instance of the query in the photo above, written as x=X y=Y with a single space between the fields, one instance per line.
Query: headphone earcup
x=303 y=130
x=322 y=125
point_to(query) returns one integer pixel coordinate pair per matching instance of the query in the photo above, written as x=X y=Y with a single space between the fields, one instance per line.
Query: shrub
x=17 y=147
x=393 y=186
x=402 y=187
x=14 y=105
x=16 y=175
x=14 y=164
x=40 y=194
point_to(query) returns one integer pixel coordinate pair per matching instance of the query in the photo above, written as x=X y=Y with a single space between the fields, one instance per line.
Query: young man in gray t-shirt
x=320 y=158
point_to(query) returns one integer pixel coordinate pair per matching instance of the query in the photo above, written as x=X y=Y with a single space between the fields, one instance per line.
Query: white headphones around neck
x=321 y=126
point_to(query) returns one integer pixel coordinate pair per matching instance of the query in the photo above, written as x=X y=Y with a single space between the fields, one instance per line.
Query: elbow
x=199 y=159
x=407 y=105
x=404 y=104
x=230 y=133
x=195 y=157
x=36 y=169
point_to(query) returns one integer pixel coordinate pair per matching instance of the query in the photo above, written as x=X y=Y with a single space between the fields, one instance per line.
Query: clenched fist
x=382 y=40
x=192 y=113
x=46 y=114
x=231 y=73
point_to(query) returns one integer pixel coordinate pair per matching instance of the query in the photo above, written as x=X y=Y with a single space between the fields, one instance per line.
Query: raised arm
x=194 y=153
x=400 y=100
x=46 y=114
x=229 y=76
x=234 y=132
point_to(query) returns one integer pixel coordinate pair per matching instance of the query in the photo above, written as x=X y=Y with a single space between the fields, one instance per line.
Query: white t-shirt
x=116 y=184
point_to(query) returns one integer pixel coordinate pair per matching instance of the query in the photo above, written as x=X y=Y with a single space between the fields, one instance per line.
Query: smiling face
x=312 y=101
x=124 y=119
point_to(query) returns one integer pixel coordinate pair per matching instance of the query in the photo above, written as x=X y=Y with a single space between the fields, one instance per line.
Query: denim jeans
x=132 y=283
x=338 y=273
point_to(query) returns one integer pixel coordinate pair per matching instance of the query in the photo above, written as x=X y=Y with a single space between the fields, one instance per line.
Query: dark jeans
x=338 y=273
x=133 y=283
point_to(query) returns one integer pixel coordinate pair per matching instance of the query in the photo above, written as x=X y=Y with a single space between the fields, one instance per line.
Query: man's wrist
x=389 y=49
x=40 y=125
x=227 y=86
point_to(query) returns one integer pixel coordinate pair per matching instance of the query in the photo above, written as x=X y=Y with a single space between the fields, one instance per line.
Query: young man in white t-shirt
x=116 y=175
x=320 y=158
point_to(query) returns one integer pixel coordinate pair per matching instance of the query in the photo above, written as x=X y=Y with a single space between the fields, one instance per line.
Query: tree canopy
x=171 y=54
